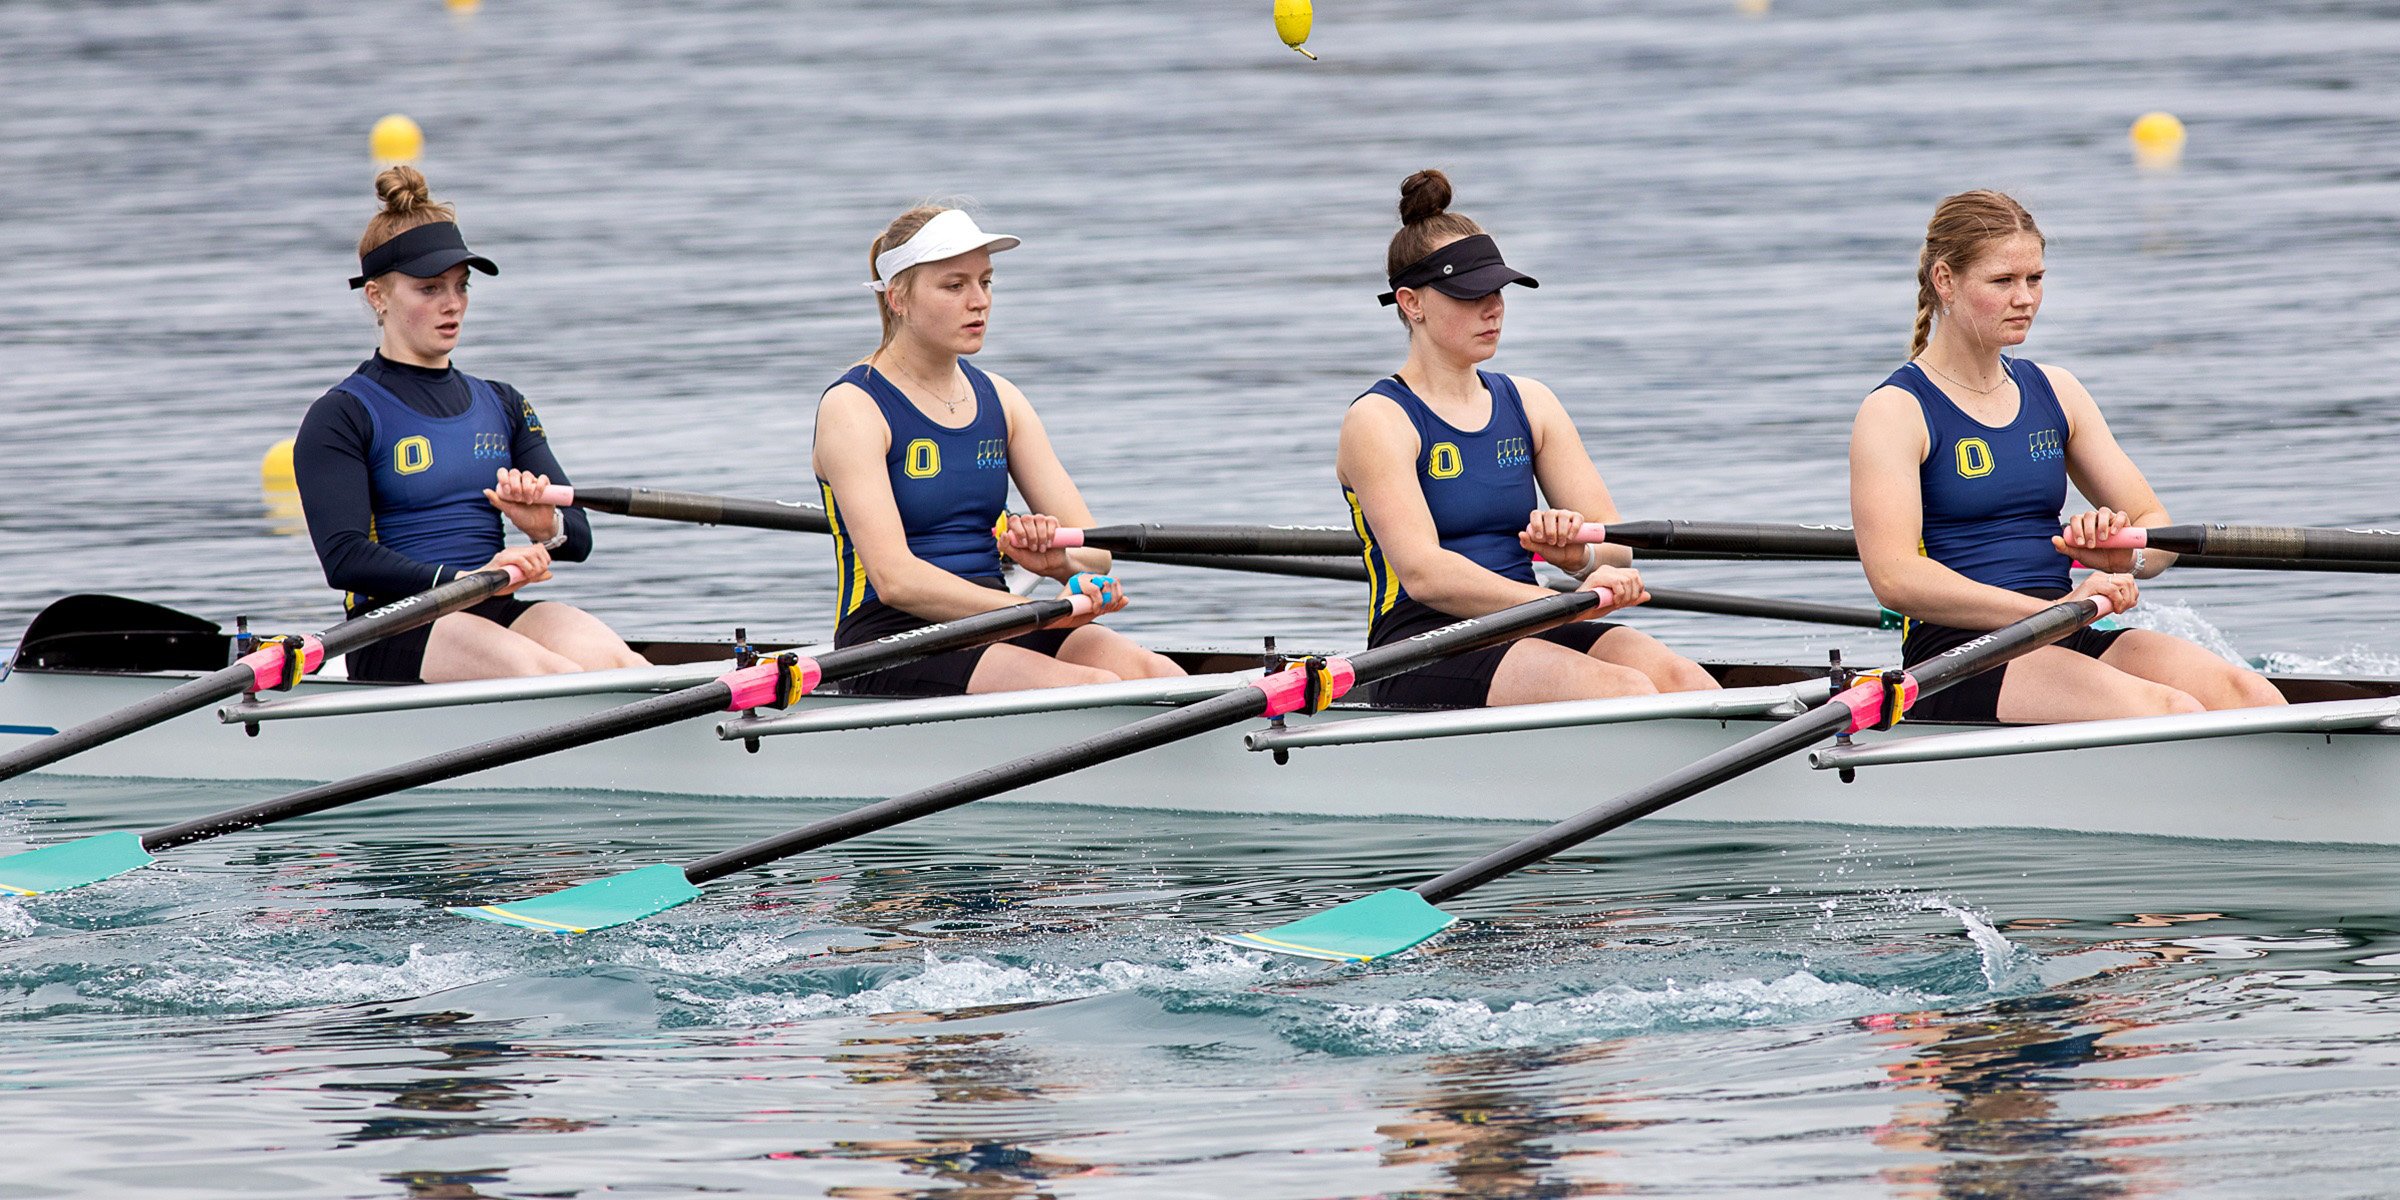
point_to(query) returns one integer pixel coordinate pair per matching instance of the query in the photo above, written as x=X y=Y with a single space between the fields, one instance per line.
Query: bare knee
x=1625 y=681
x=1684 y=675
x=2253 y=690
x=1154 y=665
x=2172 y=701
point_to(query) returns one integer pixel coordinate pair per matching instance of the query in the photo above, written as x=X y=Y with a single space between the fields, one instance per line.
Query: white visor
x=947 y=235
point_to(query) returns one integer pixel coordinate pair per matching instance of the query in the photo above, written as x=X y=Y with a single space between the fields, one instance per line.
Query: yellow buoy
x=2157 y=139
x=275 y=471
x=463 y=6
x=1292 y=21
x=396 y=139
x=1754 y=8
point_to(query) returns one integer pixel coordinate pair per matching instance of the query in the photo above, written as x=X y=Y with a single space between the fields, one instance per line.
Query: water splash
x=1430 y=1023
x=220 y=983
x=2179 y=619
x=945 y=985
x=15 y=921
x=2354 y=660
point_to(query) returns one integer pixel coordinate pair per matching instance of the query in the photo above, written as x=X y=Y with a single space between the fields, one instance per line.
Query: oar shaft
x=641 y=715
x=1662 y=598
x=1214 y=539
x=2294 y=544
x=695 y=507
x=1215 y=713
x=260 y=668
x=1247 y=701
x=1934 y=674
x=717 y=695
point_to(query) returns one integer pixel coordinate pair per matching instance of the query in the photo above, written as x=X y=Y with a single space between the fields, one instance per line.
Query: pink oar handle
x=1066 y=539
x=2134 y=538
x=559 y=494
x=516 y=574
x=267 y=663
x=1592 y=535
x=1083 y=604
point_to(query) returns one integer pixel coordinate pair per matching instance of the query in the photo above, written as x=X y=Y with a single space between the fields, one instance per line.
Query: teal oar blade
x=1362 y=930
x=72 y=864
x=616 y=900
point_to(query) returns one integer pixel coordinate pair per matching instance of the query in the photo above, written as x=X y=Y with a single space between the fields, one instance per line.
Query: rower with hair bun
x=406 y=468
x=1959 y=465
x=1440 y=464
x=915 y=450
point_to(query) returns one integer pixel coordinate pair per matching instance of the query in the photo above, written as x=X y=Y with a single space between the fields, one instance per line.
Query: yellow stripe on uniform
x=1383 y=584
x=850 y=586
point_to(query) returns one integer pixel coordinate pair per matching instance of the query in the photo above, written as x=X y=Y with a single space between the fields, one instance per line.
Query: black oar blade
x=74 y=864
x=1359 y=931
x=600 y=904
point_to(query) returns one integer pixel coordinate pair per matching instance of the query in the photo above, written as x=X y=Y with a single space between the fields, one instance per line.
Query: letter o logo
x=1974 y=458
x=411 y=455
x=923 y=459
x=1444 y=463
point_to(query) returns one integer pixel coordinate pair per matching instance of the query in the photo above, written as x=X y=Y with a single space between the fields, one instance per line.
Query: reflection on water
x=2001 y=1121
x=1489 y=1125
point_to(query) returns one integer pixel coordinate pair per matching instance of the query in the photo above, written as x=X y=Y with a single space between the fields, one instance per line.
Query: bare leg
x=1666 y=670
x=1535 y=671
x=2052 y=684
x=1113 y=652
x=2163 y=658
x=576 y=635
x=1006 y=668
x=465 y=646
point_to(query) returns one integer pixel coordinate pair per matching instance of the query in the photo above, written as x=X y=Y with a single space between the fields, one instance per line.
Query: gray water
x=1015 y=1001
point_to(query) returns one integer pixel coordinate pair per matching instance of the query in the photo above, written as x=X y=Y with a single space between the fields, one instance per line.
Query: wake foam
x=235 y=984
x=974 y=982
x=1438 y=1024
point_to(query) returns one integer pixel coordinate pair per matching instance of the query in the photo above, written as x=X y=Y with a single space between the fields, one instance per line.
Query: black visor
x=424 y=252
x=1466 y=269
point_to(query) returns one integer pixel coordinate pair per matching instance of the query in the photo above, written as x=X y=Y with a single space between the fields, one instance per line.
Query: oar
x=773 y=682
x=279 y=662
x=2227 y=547
x=1669 y=599
x=1265 y=549
x=1306 y=686
x=2284 y=547
x=1393 y=920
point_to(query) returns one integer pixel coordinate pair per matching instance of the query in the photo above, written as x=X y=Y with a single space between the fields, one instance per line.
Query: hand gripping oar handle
x=1310 y=684
x=1859 y=707
x=774 y=682
x=279 y=662
x=2289 y=543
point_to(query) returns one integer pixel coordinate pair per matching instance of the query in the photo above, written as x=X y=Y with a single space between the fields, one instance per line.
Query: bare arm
x=1569 y=480
x=1887 y=443
x=1043 y=480
x=2106 y=476
x=851 y=442
x=1378 y=462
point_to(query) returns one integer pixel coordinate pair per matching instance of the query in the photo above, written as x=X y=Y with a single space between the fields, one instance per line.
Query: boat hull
x=2281 y=787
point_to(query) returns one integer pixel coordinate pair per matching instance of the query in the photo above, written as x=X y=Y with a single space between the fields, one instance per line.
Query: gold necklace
x=1985 y=391
x=952 y=405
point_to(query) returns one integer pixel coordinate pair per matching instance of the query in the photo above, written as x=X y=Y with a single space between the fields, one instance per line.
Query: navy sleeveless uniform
x=1480 y=489
x=951 y=485
x=1991 y=497
x=391 y=465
